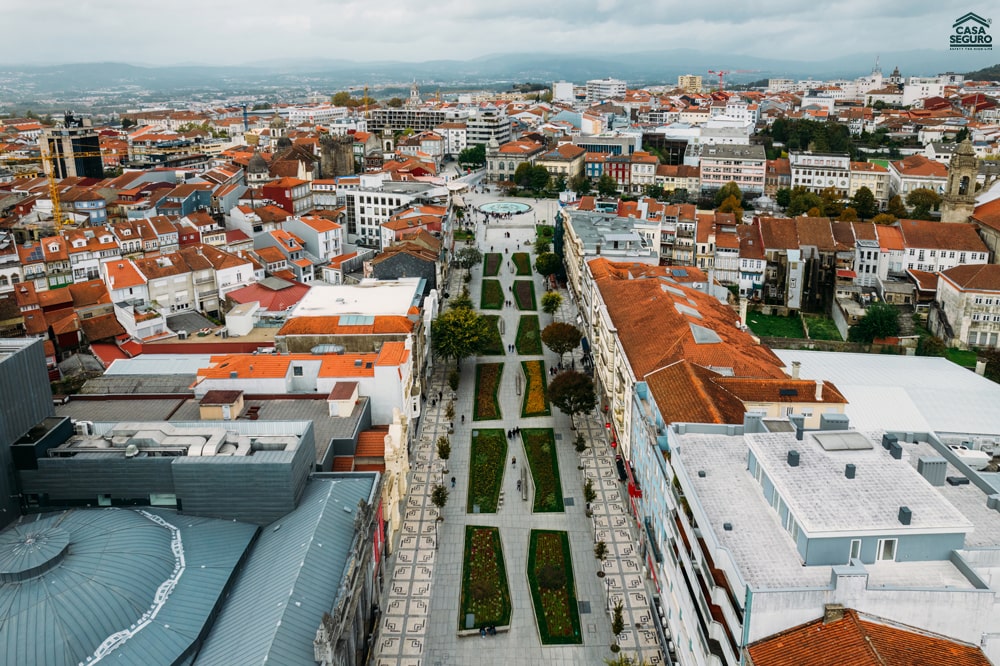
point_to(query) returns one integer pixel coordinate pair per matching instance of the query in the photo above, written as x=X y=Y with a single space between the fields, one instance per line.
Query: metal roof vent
x=727 y=526
x=887 y=441
x=905 y=515
x=896 y=451
x=233 y=374
x=701 y=474
x=131 y=451
x=850 y=470
x=793 y=458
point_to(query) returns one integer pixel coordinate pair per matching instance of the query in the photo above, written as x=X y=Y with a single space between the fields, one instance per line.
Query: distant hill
x=991 y=73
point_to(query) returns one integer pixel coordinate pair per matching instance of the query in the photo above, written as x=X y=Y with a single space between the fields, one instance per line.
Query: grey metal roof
x=159 y=364
x=119 y=410
x=139 y=384
x=70 y=602
x=291 y=578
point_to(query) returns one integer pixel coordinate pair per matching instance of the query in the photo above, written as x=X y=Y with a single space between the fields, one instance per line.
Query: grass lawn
x=773 y=326
x=491 y=264
x=522 y=262
x=545 y=231
x=487 y=407
x=494 y=346
x=822 y=328
x=487 y=460
x=553 y=591
x=492 y=297
x=462 y=234
x=524 y=295
x=540 y=447
x=964 y=357
x=528 y=340
x=484 y=579
x=536 y=399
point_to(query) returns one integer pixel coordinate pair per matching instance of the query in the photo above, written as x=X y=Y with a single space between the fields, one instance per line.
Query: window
x=297 y=370
x=886 y=550
x=855 y=550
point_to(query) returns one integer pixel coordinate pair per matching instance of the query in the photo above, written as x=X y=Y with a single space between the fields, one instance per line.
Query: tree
x=547 y=264
x=783 y=196
x=654 y=191
x=342 y=98
x=542 y=245
x=589 y=494
x=580 y=184
x=128 y=122
x=439 y=497
x=864 y=202
x=884 y=218
x=463 y=300
x=730 y=189
x=880 y=321
x=923 y=200
x=732 y=205
x=559 y=183
x=458 y=333
x=561 y=337
x=680 y=195
x=551 y=300
x=815 y=211
x=444 y=449
x=468 y=257
x=474 y=156
x=832 y=204
x=962 y=135
x=601 y=550
x=930 y=345
x=848 y=215
x=801 y=200
x=573 y=393
x=618 y=620
x=896 y=207
x=538 y=178
x=394 y=103
x=607 y=186
x=522 y=175
x=261 y=106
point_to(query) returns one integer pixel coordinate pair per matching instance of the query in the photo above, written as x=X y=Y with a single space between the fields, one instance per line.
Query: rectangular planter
x=555 y=607
x=485 y=593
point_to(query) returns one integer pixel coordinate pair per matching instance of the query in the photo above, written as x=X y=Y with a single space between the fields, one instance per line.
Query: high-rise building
x=689 y=83
x=601 y=89
x=489 y=123
x=75 y=149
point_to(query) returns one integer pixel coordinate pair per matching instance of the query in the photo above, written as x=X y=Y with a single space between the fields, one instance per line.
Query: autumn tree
x=561 y=337
x=732 y=205
x=832 y=204
x=884 y=218
x=730 y=189
x=848 y=215
x=573 y=393
x=551 y=300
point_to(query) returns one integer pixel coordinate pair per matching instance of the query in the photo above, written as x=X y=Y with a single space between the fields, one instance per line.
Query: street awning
x=844 y=273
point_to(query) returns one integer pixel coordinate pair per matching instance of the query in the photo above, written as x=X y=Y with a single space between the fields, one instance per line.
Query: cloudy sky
x=241 y=31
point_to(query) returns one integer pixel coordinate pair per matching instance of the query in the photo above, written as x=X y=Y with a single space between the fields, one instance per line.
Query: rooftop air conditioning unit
x=182 y=335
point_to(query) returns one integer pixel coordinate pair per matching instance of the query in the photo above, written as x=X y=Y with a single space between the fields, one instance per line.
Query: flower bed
x=536 y=400
x=494 y=346
x=487 y=459
x=484 y=579
x=524 y=295
x=492 y=298
x=491 y=263
x=540 y=447
x=528 y=340
x=487 y=407
x=553 y=593
x=522 y=262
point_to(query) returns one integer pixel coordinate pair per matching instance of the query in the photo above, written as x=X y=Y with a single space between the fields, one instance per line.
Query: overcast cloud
x=242 y=31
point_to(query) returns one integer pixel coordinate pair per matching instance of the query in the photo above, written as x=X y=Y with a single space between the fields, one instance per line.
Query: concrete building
x=722 y=164
x=67 y=142
x=601 y=89
x=689 y=83
x=489 y=123
x=966 y=309
x=819 y=171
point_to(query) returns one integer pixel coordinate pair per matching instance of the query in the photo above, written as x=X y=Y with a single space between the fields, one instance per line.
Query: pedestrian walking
x=463 y=418
x=440 y=394
x=453 y=483
x=518 y=485
x=513 y=462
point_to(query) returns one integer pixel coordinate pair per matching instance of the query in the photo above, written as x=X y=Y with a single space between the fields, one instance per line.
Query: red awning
x=106 y=353
x=844 y=273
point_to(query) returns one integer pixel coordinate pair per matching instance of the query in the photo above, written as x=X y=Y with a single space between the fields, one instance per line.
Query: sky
x=227 y=32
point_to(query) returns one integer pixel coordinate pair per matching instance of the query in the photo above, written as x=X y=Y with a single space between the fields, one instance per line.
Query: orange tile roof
x=343 y=463
x=371 y=443
x=861 y=641
x=941 y=236
x=920 y=166
x=276 y=366
x=924 y=280
x=889 y=238
x=779 y=390
x=975 y=277
x=392 y=353
x=701 y=401
x=123 y=274
x=988 y=214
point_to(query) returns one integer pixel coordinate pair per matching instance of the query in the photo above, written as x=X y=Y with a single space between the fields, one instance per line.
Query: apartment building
x=743 y=165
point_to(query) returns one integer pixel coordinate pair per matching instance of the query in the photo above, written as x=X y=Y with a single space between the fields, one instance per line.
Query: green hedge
x=555 y=609
x=540 y=447
x=529 y=339
x=487 y=462
x=492 y=297
x=484 y=579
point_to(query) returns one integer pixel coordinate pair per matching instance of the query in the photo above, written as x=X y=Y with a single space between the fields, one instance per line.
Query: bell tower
x=959 y=199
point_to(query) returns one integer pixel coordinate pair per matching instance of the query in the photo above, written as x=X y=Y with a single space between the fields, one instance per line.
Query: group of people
x=487 y=631
x=511 y=434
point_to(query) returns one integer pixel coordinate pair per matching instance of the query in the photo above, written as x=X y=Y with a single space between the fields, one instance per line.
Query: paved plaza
x=420 y=620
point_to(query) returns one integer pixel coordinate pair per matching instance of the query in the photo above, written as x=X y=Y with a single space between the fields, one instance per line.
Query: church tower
x=959 y=199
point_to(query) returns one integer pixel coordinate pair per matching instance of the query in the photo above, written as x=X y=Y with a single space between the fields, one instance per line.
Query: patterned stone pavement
x=420 y=611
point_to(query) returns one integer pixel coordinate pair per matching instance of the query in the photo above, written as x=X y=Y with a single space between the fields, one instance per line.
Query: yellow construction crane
x=48 y=160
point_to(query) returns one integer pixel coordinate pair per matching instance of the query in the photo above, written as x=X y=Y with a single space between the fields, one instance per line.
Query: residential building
x=489 y=123
x=455 y=135
x=75 y=149
x=777 y=176
x=368 y=207
x=643 y=171
x=292 y=250
x=966 y=310
x=566 y=160
x=689 y=83
x=599 y=90
x=502 y=160
x=410 y=220
x=986 y=217
x=873 y=176
x=914 y=172
x=933 y=246
x=722 y=164
x=590 y=234
x=820 y=171
x=292 y=195
x=321 y=237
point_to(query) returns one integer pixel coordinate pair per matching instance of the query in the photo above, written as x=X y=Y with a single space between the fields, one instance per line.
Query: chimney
x=905 y=515
x=819 y=390
x=796 y=366
x=981 y=366
x=793 y=458
x=832 y=613
x=850 y=470
x=743 y=311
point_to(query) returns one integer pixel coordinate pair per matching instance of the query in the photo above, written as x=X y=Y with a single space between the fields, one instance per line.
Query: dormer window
x=53 y=248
